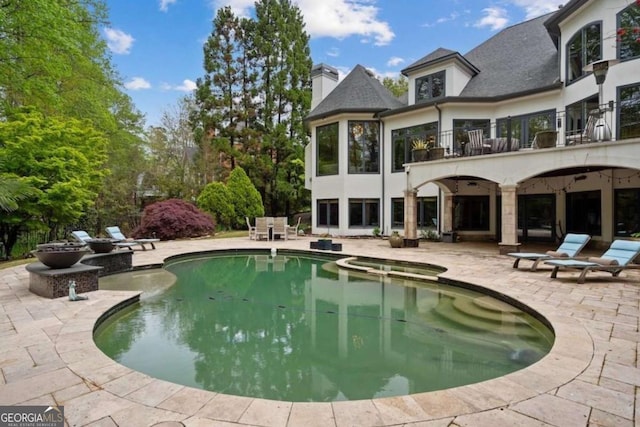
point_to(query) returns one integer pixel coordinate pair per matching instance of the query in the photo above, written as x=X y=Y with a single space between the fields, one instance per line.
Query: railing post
x=508 y=133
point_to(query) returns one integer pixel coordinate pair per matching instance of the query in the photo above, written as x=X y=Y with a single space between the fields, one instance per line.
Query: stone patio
x=590 y=377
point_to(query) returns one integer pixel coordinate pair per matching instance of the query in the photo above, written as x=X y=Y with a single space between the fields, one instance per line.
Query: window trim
x=363 y=204
x=419 y=80
x=318 y=174
x=618 y=26
x=350 y=123
x=580 y=31
x=327 y=203
x=619 y=90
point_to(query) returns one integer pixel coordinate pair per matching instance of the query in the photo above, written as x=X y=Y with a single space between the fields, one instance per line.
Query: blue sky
x=156 y=45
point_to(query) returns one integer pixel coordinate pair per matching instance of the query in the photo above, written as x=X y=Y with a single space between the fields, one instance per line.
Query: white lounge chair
x=83 y=236
x=570 y=247
x=616 y=259
x=115 y=233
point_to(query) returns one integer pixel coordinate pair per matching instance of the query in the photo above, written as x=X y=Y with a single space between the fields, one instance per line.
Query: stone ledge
x=54 y=282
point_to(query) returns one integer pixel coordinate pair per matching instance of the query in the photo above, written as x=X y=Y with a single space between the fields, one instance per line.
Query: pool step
x=472 y=315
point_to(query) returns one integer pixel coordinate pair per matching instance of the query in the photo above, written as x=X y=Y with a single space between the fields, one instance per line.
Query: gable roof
x=439 y=55
x=519 y=59
x=359 y=92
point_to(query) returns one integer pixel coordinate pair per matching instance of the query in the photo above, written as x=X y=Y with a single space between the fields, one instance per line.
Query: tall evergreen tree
x=283 y=50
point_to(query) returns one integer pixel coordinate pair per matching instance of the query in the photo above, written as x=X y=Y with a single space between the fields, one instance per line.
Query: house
x=555 y=150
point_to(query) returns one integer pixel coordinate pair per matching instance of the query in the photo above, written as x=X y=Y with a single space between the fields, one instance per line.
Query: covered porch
x=502 y=177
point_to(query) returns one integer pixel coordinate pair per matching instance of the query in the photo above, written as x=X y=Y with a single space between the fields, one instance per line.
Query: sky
x=156 y=45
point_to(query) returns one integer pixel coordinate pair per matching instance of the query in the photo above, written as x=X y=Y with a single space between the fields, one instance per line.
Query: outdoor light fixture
x=580 y=178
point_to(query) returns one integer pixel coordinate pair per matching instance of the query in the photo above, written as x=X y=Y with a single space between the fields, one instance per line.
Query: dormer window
x=430 y=87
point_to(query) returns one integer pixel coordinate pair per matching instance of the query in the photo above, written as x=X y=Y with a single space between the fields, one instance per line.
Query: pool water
x=295 y=328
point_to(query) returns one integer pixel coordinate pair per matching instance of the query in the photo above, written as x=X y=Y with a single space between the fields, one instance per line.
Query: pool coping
x=126 y=393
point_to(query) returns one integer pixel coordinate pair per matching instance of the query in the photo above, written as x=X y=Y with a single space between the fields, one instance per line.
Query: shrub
x=173 y=219
x=216 y=199
x=246 y=199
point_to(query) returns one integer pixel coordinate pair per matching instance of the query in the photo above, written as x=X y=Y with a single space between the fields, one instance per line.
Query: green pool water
x=296 y=328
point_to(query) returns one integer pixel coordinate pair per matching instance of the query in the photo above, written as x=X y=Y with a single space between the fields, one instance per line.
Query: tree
x=253 y=98
x=172 y=151
x=217 y=200
x=63 y=163
x=282 y=47
x=246 y=199
x=397 y=87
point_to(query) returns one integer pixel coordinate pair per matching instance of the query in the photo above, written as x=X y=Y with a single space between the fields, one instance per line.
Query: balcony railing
x=562 y=130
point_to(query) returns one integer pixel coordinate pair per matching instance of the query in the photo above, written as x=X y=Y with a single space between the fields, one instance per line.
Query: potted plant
x=420 y=150
x=395 y=240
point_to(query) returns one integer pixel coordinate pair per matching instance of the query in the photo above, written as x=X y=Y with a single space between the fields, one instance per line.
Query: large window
x=364 y=213
x=427 y=212
x=364 y=147
x=402 y=140
x=627 y=211
x=524 y=128
x=471 y=213
x=583 y=213
x=577 y=115
x=327 y=142
x=628 y=34
x=629 y=119
x=430 y=87
x=462 y=126
x=328 y=213
x=584 y=48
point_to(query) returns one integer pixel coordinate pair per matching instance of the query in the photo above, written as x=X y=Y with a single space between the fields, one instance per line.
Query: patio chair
x=570 y=248
x=252 y=229
x=476 y=143
x=280 y=227
x=292 y=230
x=83 y=236
x=262 y=228
x=617 y=258
x=115 y=233
x=587 y=132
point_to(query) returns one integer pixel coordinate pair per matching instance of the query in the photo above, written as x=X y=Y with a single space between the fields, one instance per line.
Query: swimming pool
x=294 y=327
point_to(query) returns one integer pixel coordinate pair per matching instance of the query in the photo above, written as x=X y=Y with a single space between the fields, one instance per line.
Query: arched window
x=583 y=48
x=628 y=33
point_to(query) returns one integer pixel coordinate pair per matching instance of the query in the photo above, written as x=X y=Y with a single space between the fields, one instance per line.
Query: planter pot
x=101 y=246
x=60 y=255
x=436 y=153
x=420 y=155
x=396 y=241
x=59 y=259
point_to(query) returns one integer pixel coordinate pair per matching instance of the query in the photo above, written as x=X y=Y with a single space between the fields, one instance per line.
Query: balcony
x=558 y=129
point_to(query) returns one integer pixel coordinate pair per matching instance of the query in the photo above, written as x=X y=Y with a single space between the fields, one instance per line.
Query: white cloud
x=394 y=61
x=494 y=18
x=164 y=4
x=332 y=18
x=137 y=83
x=334 y=52
x=186 y=86
x=118 y=41
x=538 y=7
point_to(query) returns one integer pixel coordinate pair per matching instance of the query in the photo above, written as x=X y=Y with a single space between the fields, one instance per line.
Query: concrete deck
x=590 y=378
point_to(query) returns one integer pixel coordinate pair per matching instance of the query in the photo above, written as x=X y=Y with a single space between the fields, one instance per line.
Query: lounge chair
x=83 y=236
x=617 y=258
x=570 y=247
x=115 y=233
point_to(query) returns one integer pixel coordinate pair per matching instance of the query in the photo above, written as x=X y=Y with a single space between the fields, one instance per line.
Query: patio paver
x=590 y=377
